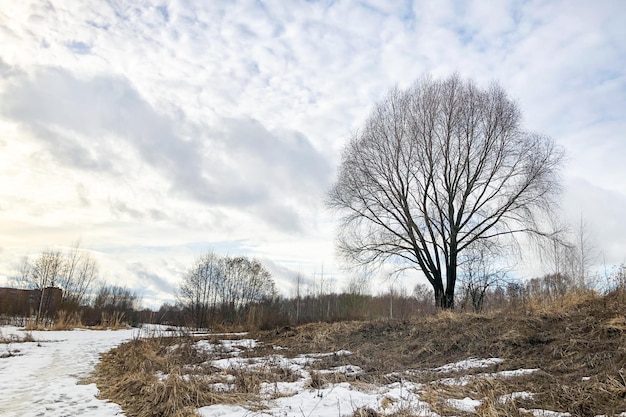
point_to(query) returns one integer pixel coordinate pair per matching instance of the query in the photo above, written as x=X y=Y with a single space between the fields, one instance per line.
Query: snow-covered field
x=298 y=399
x=46 y=378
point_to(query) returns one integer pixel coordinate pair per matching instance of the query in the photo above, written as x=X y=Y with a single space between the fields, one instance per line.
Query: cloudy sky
x=154 y=131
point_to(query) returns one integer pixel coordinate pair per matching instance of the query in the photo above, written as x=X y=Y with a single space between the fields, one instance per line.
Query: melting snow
x=43 y=378
x=466 y=404
x=470 y=363
x=545 y=413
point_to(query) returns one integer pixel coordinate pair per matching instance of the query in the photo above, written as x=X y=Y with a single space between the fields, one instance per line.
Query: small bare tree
x=584 y=254
x=74 y=271
x=44 y=272
x=480 y=273
x=435 y=169
x=571 y=251
x=78 y=276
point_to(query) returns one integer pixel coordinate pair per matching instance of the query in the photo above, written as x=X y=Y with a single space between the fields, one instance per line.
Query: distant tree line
x=225 y=292
x=73 y=275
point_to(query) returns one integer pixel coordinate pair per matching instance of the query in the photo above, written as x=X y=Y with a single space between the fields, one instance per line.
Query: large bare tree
x=436 y=168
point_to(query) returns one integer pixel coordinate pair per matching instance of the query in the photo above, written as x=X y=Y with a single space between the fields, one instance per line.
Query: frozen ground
x=46 y=378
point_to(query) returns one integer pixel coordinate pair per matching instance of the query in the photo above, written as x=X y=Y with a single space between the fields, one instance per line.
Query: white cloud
x=166 y=123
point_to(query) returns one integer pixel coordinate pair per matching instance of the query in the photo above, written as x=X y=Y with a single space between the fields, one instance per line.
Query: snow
x=470 y=363
x=348 y=370
x=44 y=378
x=223 y=410
x=545 y=413
x=336 y=400
x=233 y=347
x=466 y=404
x=466 y=379
x=518 y=395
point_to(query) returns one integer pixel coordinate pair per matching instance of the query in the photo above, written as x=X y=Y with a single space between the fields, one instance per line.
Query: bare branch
x=436 y=169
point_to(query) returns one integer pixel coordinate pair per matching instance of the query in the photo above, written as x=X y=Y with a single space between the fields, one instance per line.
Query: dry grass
x=578 y=345
x=67 y=321
x=72 y=320
x=171 y=376
x=8 y=339
x=149 y=378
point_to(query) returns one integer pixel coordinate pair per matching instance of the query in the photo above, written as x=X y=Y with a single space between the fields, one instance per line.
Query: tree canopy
x=436 y=169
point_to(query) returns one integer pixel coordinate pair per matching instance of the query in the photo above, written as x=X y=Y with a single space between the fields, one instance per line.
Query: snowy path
x=45 y=380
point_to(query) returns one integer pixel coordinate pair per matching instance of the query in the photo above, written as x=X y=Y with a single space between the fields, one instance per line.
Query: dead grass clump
x=494 y=395
x=365 y=412
x=571 y=300
x=615 y=326
x=146 y=395
x=586 y=397
x=13 y=338
x=147 y=378
x=170 y=376
x=179 y=396
x=318 y=381
x=31 y=326
x=496 y=398
x=67 y=321
x=247 y=382
x=113 y=321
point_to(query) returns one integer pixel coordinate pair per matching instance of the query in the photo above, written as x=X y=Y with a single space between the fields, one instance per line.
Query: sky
x=154 y=131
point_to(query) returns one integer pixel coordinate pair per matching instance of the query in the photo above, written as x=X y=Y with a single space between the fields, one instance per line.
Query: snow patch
x=470 y=363
x=466 y=404
x=545 y=413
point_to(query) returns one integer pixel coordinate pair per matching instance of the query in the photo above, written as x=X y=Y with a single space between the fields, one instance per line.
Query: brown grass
x=170 y=376
x=148 y=378
x=8 y=339
x=72 y=320
x=578 y=345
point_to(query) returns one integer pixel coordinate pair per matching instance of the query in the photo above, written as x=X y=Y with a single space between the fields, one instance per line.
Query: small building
x=16 y=301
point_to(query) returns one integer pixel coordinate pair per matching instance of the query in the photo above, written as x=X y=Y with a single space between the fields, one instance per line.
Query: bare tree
x=22 y=279
x=78 y=275
x=74 y=271
x=358 y=284
x=435 y=169
x=298 y=299
x=244 y=281
x=571 y=251
x=556 y=251
x=198 y=291
x=584 y=254
x=46 y=269
x=226 y=283
x=44 y=272
x=479 y=274
x=113 y=298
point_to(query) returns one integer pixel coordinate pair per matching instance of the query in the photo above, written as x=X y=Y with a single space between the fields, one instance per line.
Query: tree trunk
x=444 y=299
x=448 y=299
